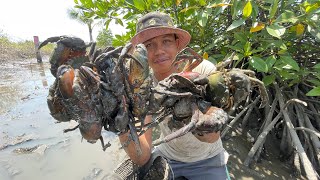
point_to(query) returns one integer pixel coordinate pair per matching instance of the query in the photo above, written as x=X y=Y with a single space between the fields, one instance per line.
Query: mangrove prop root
x=310 y=172
x=227 y=128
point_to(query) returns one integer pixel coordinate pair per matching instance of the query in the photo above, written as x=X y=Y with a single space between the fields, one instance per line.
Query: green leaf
x=287 y=16
x=139 y=4
x=314 y=92
x=119 y=21
x=267 y=80
x=314 y=32
x=202 y=2
x=203 y=18
x=276 y=30
x=247 y=10
x=258 y=64
x=235 y=8
x=255 y=9
x=312 y=7
x=189 y=8
x=236 y=48
x=236 y=24
x=239 y=36
x=314 y=81
x=273 y=9
x=247 y=49
x=90 y=3
x=289 y=63
x=317 y=66
x=270 y=61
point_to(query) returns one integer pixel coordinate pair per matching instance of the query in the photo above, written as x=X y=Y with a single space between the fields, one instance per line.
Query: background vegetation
x=17 y=50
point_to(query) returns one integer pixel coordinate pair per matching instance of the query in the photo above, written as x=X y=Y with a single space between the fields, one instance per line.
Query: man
x=190 y=156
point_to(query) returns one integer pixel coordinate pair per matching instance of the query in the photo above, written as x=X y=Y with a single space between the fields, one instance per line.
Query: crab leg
x=135 y=138
x=263 y=91
x=104 y=146
x=182 y=131
x=71 y=129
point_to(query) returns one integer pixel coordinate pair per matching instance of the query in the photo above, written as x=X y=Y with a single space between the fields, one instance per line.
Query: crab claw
x=65 y=74
x=185 y=62
x=139 y=67
x=50 y=40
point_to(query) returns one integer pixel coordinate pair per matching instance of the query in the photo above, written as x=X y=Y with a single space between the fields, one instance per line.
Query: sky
x=23 y=19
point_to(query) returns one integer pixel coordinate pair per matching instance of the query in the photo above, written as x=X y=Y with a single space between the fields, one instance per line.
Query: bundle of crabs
x=112 y=89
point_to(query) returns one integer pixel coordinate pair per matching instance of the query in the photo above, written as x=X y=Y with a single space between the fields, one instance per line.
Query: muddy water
x=32 y=145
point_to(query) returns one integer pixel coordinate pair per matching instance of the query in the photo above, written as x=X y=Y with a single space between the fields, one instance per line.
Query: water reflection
x=43 y=75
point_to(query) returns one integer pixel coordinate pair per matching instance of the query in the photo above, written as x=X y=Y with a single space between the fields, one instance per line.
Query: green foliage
x=104 y=38
x=279 y=39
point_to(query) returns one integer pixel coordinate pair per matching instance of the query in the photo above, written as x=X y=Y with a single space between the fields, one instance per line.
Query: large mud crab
x=112 y=88
x=109 y=89
x=199 y=103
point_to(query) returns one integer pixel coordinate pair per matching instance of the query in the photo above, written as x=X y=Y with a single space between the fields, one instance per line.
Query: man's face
x=161 y=52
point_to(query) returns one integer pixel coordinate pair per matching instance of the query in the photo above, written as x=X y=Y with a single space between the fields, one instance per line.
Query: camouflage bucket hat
x=156 y=24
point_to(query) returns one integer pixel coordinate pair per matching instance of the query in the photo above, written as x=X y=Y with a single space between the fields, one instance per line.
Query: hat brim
x=146 y=34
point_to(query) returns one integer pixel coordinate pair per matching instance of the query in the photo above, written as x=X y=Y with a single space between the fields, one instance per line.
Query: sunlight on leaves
x=178 y=2
x=276 y=30
x=247 y=10
x=299 y=29
x=314 y=92
x=258 y=64
x=219 y=5
x=236 y=24
x=258 y=27
x=205 y=56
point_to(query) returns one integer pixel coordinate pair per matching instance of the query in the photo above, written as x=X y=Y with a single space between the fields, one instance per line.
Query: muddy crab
x=107 y=88
x=199 y=103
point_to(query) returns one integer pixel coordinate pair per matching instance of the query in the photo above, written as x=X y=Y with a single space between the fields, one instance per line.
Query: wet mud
x=32 y=144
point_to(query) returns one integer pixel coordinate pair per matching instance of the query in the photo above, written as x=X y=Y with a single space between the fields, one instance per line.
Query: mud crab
x=199 y=103
x=106 y=88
